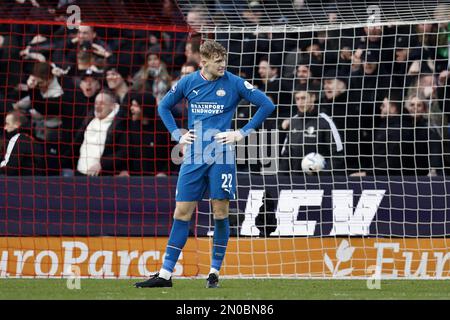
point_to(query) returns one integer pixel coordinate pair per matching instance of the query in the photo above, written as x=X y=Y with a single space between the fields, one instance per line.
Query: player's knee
x=183 y=214
x=220 y=214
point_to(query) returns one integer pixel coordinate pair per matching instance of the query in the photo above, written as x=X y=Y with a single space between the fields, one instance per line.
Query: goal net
x=346 y=178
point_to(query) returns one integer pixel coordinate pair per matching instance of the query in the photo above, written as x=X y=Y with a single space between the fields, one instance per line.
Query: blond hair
x=210 y=49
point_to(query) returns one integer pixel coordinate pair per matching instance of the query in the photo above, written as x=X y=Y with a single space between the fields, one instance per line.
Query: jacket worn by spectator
x=51 y=114
x=312 y=132
x=23 y=156
x=149 y=141
x=423 y=151
x=346 y=116
x=94 y=144
x=388 y=138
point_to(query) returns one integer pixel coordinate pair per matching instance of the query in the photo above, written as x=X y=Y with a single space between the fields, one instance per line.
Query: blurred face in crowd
x=370 y=67
x=114 y=79
x=303 y=72
x=304 y=101
x=195 y=20
x=11 y=123
x=427 y=85
x=36 y=82
x=153 y=61
x=252 y=16
x=86 y=33
x=424 y=28
x=185 y=70
x=401 y=55
x=89 y=86
x=167 y=7
x=415 y=106
x=315 y=50
x=388 y=108
x=266 y=71
x=32 y=81
x=333 y=88
x=84 y=60
x=190 y=54
x=136 y=111
x=215 y=66
x=373 y=33
x=298 y=4
x=104 y=105
x=188 y=50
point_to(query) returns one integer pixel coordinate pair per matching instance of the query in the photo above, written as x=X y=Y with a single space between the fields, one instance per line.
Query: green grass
x=237 y=289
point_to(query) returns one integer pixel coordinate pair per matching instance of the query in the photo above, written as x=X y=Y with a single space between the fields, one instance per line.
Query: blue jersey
x=211 y=107
x=212 y=104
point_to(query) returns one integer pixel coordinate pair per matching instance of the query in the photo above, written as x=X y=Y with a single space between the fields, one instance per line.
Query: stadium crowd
x=371 y=100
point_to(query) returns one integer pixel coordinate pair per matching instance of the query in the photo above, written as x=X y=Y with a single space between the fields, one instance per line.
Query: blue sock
x=177 y=240
x=220 y=241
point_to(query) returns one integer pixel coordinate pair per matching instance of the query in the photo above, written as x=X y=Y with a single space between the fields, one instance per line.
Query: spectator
x=153 y=75
x=443 y=28
x=246 y=49
x=310 y=132
x=9 y=70
x=86 y=59
x=188 y=68
x=196 y=18
x=388 y=140
x=101 y=143
x=50 y=113
x=276 y=89
x=86 y=39
x=279 y=92
x=377 y=39
x=308 y=71
x=64 y=53
x=192 y=50
x=149 y=142
x=9 y=66
x=336 y=103
x=423 y=156
x=269 y=79
x=170 y=13
x=303 y=68
x=407 y=58
x=116 y=82
x=84 y=98
x=23 y=156
x=426 y=85
x=426 y=35
x=368 y=85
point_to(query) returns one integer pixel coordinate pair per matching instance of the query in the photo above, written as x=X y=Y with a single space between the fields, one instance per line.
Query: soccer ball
x=313 y=162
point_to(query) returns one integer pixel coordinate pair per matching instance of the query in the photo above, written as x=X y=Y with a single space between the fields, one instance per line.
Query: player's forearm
x=266 y=107
x=169 y=120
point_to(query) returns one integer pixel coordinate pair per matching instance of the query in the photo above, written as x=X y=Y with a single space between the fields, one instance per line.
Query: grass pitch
x=231 y=289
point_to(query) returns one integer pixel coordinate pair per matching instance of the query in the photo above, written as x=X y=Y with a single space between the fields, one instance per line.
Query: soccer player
x=208 y=164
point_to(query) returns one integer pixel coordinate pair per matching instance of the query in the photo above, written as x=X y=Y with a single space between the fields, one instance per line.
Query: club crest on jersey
x=248 y=85
x=221 y=93
x=174 y=88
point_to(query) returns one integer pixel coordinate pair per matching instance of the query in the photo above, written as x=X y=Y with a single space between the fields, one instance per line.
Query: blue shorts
x=195 y=179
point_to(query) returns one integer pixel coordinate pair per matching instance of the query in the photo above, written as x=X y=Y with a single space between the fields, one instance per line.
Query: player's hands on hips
x=188 y=137
x=229 y=137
